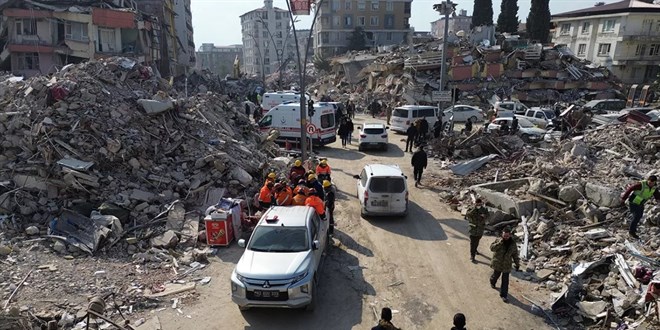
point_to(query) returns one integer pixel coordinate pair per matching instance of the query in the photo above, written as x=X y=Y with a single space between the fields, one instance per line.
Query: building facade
x=461 y=22
x=164 y=11
x=219 y=59
x=623 y=36
x=41 y=39
x=267 y=41
x=184 y=33
x=384 y=22
x=304 y=38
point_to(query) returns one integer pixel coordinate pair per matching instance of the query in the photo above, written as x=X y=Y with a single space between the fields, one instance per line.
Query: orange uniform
x=317 y=203
x=301 y=188
x=299 y=199
x=265 y=195
x=283 y=196
x=323 y=170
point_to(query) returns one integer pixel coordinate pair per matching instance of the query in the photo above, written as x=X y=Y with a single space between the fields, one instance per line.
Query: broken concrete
x=494 y=194
x=603 y=195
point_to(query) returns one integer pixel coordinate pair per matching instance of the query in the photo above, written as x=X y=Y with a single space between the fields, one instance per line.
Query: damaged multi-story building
x=41 y=36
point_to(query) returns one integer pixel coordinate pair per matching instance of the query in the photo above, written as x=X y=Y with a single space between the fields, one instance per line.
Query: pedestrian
x=423 y=130
x=636 y=196
x=247 y=109
x=476 y=216
x=388 y=113
x=468 y=127
x=504 y=128
x=343 y=133
x=374 y=108
x=505 y=254
x=351 y=129
x=351 y=110
x=514 y=125
x=411 y=134
x=419 y=161
x=437 y=128
x=490 y=115
x=256 y=114
x=385 y=322
x=459 y=322
x=329 y=204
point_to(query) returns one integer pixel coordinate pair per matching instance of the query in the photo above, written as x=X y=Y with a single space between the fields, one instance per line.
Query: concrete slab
x=493 y=193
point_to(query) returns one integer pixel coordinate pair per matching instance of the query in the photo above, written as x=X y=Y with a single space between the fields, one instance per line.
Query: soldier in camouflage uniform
x=477 y=217
x=505 y=253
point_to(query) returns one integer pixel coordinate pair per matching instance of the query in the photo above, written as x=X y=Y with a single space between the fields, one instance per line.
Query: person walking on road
x=637 y=195
x=411 y=134
x=388 y=113
x=351 y=129
x=437 y=128
x=423 y=131
x=514 y=125
x=385 y=322
x=419 y=161
x=329 y=204
x=505 y=254
x=476 y=216
x=343 y=133
x=374 y=108
x=459 y=322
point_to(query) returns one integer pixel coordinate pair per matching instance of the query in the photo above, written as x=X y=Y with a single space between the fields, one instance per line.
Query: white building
x=623 y=36
x=266 y=39
x=184 y=34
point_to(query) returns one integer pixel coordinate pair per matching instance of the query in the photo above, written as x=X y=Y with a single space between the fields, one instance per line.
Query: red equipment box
x=219 y=229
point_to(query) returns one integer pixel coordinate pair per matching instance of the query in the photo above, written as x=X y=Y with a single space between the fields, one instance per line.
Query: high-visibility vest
x=299 y=200
x=643 y=194
x=265 y=195
x=315 y=202
x=323 y=170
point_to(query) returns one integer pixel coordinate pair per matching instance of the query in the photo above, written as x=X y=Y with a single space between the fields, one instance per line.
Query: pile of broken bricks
x=565 y=201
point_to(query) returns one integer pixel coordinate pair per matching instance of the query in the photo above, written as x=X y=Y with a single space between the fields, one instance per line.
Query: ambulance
x=286 y=119
x=272 y=99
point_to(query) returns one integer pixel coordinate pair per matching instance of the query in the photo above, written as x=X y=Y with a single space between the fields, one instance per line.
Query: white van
x=286 y=118
x=403 y=116
x=273 y=99
x=382 y=190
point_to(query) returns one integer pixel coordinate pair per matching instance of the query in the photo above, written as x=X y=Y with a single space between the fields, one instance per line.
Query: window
x=26 y=27
x=361 y=21
x=387 y=185
x=278 y=15
x=264 y=34
x=582 y=49
x=278 y=25
x=374 y=5
x=389 y=21
x=336 y=21
x=28 y=61
x=389 y=5
x=585 y=27
x=76 y=31
x=335 y=5
x=348 y=20
x=362 y=4
x=657 y=26
x=107 y=40
x=654 y=50
x=363 y=178
x=327 y=120
x=641 y=50
x=406 y=7
x=280 y=238
x=373 y=21
x=603 y=49
x=388 y=36
x=325 y=37
x=427 y=112
x=266 y=121
x=565 y=29
x=539 y=114
x=264 y=15
x=347 y=5
x=608 y=25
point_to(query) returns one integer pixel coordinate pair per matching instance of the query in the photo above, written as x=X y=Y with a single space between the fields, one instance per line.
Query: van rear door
x=387 y=195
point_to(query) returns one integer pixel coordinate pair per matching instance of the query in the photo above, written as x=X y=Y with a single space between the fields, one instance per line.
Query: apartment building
x=385 y=22
x=219 y=59
x=39 y=37
x=267 y=41
x=623 y=36
x=184 y=34
x=460 y=22
x=164 y=11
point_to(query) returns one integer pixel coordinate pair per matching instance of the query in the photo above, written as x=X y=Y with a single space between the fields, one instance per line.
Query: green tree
x=322 y=64
x=538 y=21
x=482 y=13
x=507 y=21
x=357 y=40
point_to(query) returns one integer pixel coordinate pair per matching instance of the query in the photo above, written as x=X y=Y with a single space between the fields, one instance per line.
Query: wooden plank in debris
x=68 y=147
x=469 y=138
x=172 y=288
x=550 y=199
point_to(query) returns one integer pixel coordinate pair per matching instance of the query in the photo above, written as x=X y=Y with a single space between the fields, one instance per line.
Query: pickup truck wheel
x=312 y=304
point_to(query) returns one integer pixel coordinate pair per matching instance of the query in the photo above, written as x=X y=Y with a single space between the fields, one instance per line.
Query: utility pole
x=445 y=8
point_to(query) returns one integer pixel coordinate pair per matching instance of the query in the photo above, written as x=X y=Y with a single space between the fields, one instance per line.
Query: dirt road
x=419 y=266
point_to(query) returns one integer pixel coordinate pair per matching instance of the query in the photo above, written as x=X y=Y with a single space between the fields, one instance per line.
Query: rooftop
x=625 y=6
x=384 y=170
x=290 y=216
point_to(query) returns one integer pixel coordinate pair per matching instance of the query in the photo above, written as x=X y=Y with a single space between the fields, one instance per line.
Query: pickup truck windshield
x=279 y=239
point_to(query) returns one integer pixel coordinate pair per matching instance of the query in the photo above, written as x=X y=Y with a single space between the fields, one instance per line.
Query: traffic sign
x=441 y=96
x=311 y=128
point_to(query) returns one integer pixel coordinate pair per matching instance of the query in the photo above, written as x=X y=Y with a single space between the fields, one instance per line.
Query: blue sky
x=218 y=22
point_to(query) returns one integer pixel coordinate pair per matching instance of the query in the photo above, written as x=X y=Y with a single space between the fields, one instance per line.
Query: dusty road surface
x=418 y=266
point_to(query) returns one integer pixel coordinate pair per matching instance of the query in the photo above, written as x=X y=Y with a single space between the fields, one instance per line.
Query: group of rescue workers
x=302 y=187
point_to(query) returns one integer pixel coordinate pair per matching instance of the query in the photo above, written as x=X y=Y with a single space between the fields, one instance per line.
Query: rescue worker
x=329 y=203
x=297 y=171
x=313 y=183
x=476 y=216
x=419 y=161
x=301 y=186
x=266 y=195
x=323 y=170
x=300 y=197
x=283 y=194
x=271 y=177
x=411 y=134
x=637 y=195
x=505 y=253
x=385 y=322
x=317 y=203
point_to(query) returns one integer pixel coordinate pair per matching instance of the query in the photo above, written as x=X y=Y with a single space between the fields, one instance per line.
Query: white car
x=463 y=113
x=280 y=264
x=526 y=129
x=373 y=135
x=382 y=190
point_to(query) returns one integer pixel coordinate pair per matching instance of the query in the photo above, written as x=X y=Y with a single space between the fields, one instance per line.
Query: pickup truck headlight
x=240 y=278
x=300 y=277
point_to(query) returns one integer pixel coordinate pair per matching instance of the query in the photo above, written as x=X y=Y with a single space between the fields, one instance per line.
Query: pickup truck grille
x=267 y=295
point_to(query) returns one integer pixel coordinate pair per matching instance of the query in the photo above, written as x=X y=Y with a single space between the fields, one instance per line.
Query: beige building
x=460 y=22
x=385 y=22
x=219 y=59
x=623 y=36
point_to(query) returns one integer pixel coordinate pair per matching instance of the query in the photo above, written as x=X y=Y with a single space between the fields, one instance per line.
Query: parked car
x=604 y=106
x=382 y=190
x=403 y=116
x=280 y=265
x=372 y=135
x=463 y=113
x=505 y=108
x=643 y=110
x=526 y=129
x=540 y=117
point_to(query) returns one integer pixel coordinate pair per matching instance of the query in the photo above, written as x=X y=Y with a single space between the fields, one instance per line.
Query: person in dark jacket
x=437 y=128
x=476 y=216
x=505 y=254
x=468 y=127
x=419 y=161
x=247 y=110
x=385 y=322
x=313 y=183
x=459 y=322
x=514 y=125
x=343 y=133
x=412 y=136
x=257 y=114
x=351 y=128
x=423 y=130
x=636 y=196
x=329 y=204
x=374 y=108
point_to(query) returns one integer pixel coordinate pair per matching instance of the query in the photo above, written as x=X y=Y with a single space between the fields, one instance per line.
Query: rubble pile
x=205 y=81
